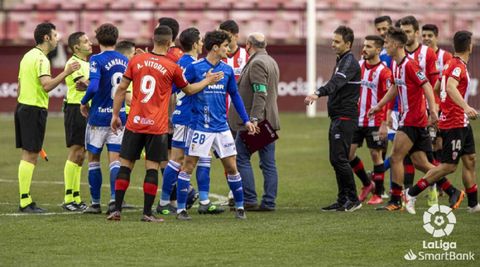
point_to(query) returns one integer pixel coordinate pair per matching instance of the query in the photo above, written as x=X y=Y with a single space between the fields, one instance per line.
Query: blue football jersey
x=210 y=104
x=385 y=58
x=108 y=67
x=183 y=110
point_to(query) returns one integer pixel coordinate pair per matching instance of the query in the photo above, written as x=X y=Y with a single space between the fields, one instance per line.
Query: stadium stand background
x=283 y=21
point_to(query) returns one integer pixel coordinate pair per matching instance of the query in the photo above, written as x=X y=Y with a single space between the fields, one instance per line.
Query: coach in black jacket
x=343 y=91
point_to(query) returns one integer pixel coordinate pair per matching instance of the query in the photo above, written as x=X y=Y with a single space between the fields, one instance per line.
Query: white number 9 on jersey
x=116 y=79
x=147 y=87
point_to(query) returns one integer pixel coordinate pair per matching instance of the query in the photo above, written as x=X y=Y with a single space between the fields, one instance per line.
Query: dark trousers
x=340 y=138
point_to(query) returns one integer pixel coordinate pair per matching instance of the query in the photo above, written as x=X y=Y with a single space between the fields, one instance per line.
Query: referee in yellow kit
x=34 y=83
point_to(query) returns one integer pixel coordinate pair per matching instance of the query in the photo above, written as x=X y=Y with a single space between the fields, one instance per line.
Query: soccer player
x=174 y=52
x=209 y=127
x=34 y=83
x=429 y=38
x=126 y=48
x=75 y=123
x=106 y=71
x=376 y=80
x=412 y=137
x=147 y=126
x=458 y=140
x=192 y=45
x=426 y=58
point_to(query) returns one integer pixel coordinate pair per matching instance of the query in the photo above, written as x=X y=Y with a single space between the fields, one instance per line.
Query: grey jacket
x=260 y=69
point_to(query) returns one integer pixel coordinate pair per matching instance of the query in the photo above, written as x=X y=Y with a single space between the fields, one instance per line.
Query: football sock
x=169 y=180
x=203 y=178
x=25 y=173
x=114 y=167
x=76 y=184
x=95 y=181
x=396 y=193
x=359 y=170
x=150 y=186
x=472 y=196
x=418 y=188
x=121 y=184
x=69 y=173
x=378 y=177
x=409 y=173
x=235 y=184
x=446 y=186
x=182 y=190
x=386 y=163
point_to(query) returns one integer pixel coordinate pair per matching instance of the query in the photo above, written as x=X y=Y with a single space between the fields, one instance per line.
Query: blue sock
x=386 y=163
x=182 y=190
x=95 y=181
x=114 y=168
x=169 y=179
x=235 y=184
x=203 y=178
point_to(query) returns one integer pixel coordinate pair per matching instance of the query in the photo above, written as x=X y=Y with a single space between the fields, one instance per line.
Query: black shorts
x=75 y=125
x=419 y=137
x=170 y=138
x=456 y=143
x=371 y=135
x=30 y=126
x=156 y=146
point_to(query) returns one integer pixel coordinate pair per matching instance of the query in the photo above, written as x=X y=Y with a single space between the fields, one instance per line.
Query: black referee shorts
x=30 y=125
x=156 y=146
x=75 y=125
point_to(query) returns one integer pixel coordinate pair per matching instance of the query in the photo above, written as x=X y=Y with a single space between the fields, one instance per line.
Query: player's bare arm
x=457 y=98
x=428 y=91
x=116 y=122
x=389 y=96
x=49 y=83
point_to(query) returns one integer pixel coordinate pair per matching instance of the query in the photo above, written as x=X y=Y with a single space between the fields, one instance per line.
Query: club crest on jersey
x=388 y=82
x=456 y=72
x=420 y=57
x=93 y=67
x=454 y=155
x=420 y=75
x=374 y=75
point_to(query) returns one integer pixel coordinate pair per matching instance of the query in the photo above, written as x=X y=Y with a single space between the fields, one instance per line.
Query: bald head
x=257 y=40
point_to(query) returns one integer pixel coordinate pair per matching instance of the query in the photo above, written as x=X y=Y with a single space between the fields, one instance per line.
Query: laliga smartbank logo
x=439 y=221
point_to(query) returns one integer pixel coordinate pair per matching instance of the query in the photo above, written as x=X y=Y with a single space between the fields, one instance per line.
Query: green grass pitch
x=297 y=234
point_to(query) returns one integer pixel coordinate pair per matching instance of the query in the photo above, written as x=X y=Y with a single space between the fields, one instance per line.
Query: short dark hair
x=230 y=26
x=172 y=24
x=41 y=30
x=74 y=39
x=188 y=38
x=107 y=34
x=397 y=35
x=346 y=33
x=162 y=35
x=124 y=46
x=215 y=38
x=377 y=40
x=430 y=27
x=382 y=19
x=462 y=41
x=410 y=20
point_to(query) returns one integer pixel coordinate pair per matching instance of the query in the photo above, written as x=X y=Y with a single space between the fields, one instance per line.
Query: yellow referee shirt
x=73 y=95
x=34 y=65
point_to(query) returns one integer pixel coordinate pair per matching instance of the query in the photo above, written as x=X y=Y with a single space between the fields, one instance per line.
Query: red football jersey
x=152 y=77
x=175 y=53
x=427 y=60
x=442 y=59
x=409 y=79
x=237 y=61
x=453 y=116
x=376 y=80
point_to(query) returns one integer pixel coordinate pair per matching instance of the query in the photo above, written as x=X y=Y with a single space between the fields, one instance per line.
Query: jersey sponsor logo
x=456 y=72
x=228 y=145
x=144 y=121
x=369 y=85
x=421 y=75
x=400 y=82
x=216 y=87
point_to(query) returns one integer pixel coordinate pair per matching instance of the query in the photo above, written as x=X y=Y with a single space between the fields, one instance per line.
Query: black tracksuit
x=343 y=90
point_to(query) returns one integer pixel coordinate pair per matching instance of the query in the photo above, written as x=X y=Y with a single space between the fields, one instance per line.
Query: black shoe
x=249 y=206
x=31 y=208
x=93 y=209
x=209 y=208
x=72 y=206
x=332 y=207
x=262 y=208
x=240 y=214
x=456 y=199
x=166 y=210
x=82 y=206
x=350 y=206
x=111 y=207
x=183 y=216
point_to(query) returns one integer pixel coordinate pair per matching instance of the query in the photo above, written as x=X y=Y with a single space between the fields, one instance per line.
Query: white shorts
x=97 y=136
x=199 y=144
x=395 y=115
x=179 y=138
